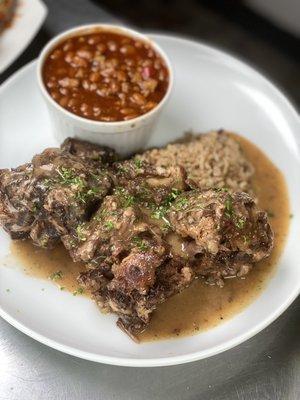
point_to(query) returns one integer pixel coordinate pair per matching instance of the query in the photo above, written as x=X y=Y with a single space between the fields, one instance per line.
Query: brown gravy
x=201 y=306
x=55 y=264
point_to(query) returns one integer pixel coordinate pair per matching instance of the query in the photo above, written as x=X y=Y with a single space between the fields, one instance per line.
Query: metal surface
x=265 y=367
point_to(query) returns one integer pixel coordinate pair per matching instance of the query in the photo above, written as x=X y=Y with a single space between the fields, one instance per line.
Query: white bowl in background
x=124 y=136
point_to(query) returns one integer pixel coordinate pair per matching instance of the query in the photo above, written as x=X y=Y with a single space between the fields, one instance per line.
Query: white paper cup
x=125 y=137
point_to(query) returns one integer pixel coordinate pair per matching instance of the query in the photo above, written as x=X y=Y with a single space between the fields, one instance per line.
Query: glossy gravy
x=55 y=264
x=201 y=306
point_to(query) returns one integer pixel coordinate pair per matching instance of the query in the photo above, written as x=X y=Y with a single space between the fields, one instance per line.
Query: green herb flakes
x=229 y=211
x=80 y=232
x=138 y=163
x=56 y=275
x=181 y=204
x=140 y=243
x=160 y=212
x=78 y=291
x=126 y=199
x=109 y=225
x=240 y=223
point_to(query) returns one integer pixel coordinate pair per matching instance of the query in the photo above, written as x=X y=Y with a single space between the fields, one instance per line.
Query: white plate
x=28 y=18
x=212 y=90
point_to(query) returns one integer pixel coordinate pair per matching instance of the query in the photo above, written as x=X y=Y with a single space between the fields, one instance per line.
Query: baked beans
x=105 y=76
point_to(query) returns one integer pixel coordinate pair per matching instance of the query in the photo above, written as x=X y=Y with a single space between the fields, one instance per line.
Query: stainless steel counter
x=265 y=367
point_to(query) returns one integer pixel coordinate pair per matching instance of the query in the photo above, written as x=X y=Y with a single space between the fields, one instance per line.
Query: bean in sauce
x=105 y=76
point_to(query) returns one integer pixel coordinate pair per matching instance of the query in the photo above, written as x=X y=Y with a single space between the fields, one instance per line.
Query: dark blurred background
x=264 y=33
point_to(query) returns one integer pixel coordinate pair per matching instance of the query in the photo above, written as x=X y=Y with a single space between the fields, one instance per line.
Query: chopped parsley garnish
x=172 y=196
x=229 y=211
x=140 y=243
x=79 y=290
x=181 y=203
x=129 y=201
x=83 y=195
x=93 y=191
x=270 y=214
x=104 y=213
x=109 y=225
x=72 y=242
x=65 y=173
x=56 y=275
x=160 y=212
x=80 y=232
x=126 y=199
x=68 y=177
x=138 y=163
x=123 y=169
x=291 y=215
x=240 y=223
x=62 y=288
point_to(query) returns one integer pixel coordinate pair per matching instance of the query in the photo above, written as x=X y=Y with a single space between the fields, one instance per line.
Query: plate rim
x=188 y=357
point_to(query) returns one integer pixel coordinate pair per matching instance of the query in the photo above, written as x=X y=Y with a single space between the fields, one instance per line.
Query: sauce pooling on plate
x=199 y=307
x=51 y=264
x=106 y=76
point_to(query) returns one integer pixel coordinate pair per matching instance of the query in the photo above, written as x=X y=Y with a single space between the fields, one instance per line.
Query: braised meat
x=122 y=249
x=137 y=262
x=50 y=196
x=138 y=190
x=108 y=233
x=141 y=228
x=124 y=244
x=226 y=233
x=131 y=270
x=133 y=306
x=149 y=184
x=89 y=151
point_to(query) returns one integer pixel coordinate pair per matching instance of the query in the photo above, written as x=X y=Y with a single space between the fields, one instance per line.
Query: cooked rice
x=211 y=160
